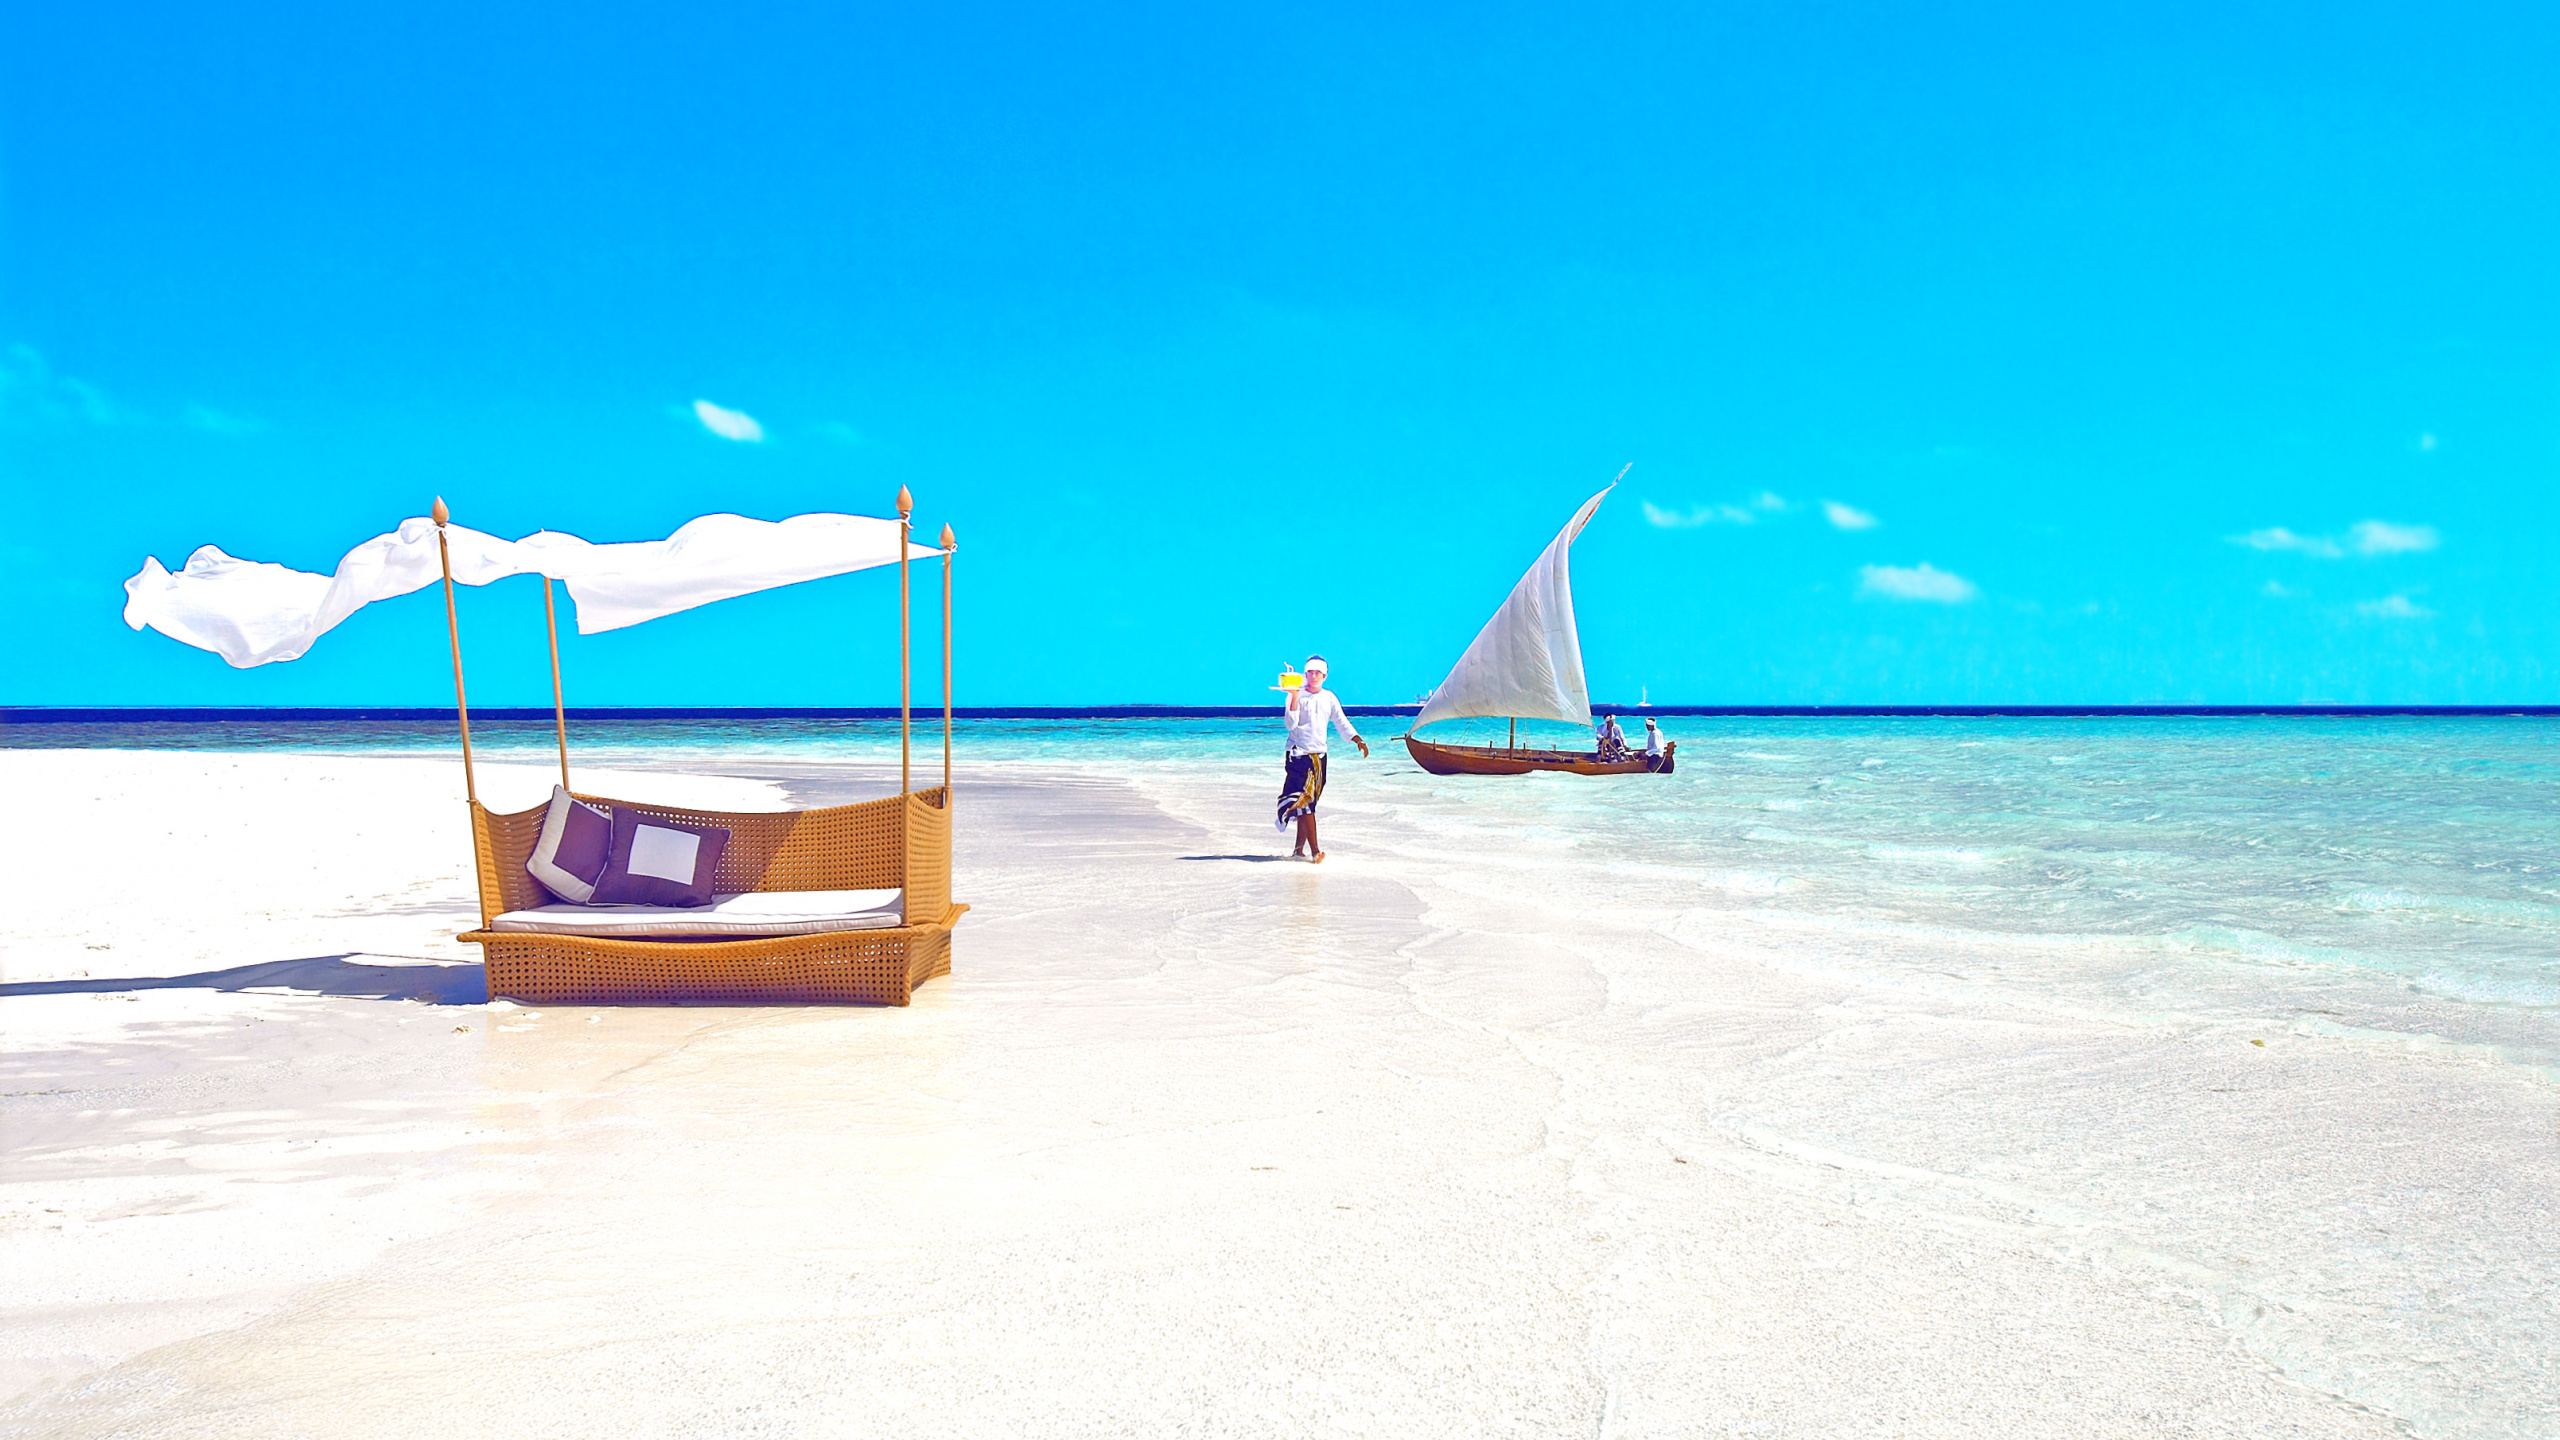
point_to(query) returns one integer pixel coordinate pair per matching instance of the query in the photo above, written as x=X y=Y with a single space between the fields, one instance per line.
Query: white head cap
x=1316 y=663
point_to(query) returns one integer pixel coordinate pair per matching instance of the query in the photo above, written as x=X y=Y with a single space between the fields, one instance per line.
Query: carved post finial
x=440 y=513
x=906 y=503
x=948 y=544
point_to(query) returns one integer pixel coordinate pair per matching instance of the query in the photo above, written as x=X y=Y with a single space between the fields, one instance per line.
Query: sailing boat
x=1526 y=664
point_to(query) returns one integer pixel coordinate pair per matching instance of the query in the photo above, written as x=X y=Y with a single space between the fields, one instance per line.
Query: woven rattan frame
x=901 y=842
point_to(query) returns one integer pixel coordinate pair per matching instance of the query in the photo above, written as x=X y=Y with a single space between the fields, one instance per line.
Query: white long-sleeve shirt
x=1652 y=741
x=1307 y=711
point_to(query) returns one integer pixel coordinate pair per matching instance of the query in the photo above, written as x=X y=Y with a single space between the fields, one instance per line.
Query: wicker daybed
x=899 y=844
x=896 y=843
x=846 y=904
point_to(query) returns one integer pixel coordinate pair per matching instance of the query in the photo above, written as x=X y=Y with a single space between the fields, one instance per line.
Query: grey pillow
x=577 y=838
x=659 y=862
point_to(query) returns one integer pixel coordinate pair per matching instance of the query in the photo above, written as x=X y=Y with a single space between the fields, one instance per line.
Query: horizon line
x=388 y=714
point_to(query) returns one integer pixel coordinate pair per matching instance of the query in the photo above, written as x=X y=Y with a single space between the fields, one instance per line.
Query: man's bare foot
x=1317 y=857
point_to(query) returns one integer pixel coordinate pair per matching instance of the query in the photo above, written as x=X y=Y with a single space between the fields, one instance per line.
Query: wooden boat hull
x=1504 y=760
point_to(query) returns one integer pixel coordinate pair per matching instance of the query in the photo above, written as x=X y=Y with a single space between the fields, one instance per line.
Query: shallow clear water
x=2399 y=872
x=2394 y=873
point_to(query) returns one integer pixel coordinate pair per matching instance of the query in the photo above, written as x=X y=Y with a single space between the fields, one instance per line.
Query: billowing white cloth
x=253 y=612
x=1527 y=660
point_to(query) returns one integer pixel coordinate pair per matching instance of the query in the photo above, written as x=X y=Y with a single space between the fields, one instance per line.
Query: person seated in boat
x=1613 y=741
x=1652 y=739
x=1309 y=709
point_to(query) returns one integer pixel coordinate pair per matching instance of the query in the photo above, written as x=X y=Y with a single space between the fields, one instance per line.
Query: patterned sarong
x=1300 y=788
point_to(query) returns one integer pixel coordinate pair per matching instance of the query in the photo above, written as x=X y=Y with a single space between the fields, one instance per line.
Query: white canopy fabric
x=253 y=612
x=1527 y=660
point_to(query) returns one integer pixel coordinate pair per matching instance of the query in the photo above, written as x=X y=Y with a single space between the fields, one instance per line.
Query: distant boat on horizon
x=1526 y=664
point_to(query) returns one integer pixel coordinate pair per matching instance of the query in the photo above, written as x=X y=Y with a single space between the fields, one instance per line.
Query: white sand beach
x=1189 y=1143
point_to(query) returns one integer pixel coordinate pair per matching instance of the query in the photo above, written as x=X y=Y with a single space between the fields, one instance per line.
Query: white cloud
x=2368 y=538
x=1702 y=515
x=2393 y=607
x=1767 y=502
x=728 y=424
x=2279 y=538
x=2380 y=537
x=1921 y=582
x=2278 y=589
x=31 y=393
x=1847 y=517
x=212 y=421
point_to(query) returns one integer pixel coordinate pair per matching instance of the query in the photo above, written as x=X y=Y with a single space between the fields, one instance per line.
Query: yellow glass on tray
x=1292 y=680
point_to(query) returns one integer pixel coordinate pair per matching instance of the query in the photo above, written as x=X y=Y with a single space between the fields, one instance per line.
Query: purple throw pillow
x=659 y=862
x=576 y=840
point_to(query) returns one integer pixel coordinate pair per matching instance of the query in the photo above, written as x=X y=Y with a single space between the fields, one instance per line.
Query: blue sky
x=1968 y=353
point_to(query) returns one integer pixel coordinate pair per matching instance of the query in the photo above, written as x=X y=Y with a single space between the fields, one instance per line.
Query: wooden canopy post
x=906 y=668
x=559 y=706
x=950 y=547
x=453 y=633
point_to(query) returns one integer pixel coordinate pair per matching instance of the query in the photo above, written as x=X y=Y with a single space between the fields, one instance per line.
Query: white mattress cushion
x=763 y=912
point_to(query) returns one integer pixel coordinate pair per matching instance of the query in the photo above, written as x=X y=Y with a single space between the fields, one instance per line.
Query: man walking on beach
x=1309 y=710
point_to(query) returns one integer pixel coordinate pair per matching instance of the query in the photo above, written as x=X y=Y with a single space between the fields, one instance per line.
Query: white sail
x=1527 y=660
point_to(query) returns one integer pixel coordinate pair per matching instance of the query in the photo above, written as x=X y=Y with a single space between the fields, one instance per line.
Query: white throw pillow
x=577 y=839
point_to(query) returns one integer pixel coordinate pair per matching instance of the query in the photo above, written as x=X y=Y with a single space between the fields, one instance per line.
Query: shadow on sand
x=1251 y=859
x=338 y=975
